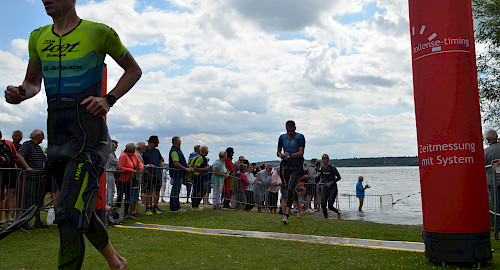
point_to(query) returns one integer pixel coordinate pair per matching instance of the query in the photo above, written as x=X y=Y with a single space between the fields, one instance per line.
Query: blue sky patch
x=161 y=5
x=289 y=36
x=368 y=11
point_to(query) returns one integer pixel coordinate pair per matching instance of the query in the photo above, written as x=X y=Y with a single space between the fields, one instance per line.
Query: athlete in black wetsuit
x=292 y=145
x=69 y=55
x=329 y=176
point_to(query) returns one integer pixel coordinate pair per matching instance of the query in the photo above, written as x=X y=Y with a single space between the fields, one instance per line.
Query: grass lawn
x=151 y=249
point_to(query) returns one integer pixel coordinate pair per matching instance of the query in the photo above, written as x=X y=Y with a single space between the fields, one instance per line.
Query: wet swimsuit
x=329 y=174
x=72 y=66
x=78 y=142
x=292 y=167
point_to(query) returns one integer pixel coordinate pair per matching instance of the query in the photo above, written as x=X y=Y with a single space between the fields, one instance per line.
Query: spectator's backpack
x=191 y=162
x=6 y=153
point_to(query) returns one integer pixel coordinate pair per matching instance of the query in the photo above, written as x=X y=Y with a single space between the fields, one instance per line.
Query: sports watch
x=111 y=99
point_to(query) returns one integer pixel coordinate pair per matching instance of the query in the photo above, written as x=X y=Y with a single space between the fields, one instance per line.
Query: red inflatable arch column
x=101 y=199
x=450 y=149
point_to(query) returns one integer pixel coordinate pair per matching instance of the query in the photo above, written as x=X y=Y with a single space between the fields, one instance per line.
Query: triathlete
x=292 y=144
x=329 y=176
x=69 y=54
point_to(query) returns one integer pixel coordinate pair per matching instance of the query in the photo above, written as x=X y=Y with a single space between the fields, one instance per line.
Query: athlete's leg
x=72 y=243
x=293 y=178
x=289 y=197
x=115 y=261
x=75 y=214
x=331 y=200
x=324 y=200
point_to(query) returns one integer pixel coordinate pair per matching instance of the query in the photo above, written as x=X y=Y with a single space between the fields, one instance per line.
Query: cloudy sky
x=231 y=72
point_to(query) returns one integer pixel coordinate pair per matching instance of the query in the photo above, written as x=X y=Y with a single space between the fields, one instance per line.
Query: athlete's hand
x=14 y=95
x=97 y=106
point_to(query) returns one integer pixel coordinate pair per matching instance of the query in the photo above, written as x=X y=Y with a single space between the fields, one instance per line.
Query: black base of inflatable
x=457 y=247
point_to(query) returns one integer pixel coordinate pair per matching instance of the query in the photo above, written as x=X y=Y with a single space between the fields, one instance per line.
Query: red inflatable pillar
x=101 y=199
x=450 y=149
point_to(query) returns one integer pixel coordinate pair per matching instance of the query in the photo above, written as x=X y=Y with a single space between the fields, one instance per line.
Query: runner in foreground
x=70 y=56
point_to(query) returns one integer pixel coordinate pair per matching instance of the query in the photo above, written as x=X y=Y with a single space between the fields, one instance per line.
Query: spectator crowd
x=222 y=184
x=139 y=174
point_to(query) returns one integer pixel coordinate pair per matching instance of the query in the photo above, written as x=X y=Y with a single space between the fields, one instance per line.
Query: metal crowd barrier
x=371 y=201
x=232 y=195
x=194 y=188
x=493 y=179
x=153 y=184
x=21 y=189
x=132 y=189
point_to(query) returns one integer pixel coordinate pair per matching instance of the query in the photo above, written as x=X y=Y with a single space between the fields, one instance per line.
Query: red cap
x=325 y=156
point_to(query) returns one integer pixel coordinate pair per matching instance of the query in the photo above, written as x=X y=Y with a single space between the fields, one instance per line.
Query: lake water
x=394 y=196
x=402 y=183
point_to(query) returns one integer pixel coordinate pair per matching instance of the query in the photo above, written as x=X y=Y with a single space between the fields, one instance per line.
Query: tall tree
x=487 y=32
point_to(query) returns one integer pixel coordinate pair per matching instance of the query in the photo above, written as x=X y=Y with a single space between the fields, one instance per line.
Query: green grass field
x=152 y=249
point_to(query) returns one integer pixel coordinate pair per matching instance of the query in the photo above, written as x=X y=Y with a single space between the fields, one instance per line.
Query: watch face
x=111 y=99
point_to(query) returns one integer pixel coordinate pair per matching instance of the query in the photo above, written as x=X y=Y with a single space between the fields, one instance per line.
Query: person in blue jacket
x=360 y=192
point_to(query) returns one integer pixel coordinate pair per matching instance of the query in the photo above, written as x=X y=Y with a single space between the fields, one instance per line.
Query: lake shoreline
x=365 y=162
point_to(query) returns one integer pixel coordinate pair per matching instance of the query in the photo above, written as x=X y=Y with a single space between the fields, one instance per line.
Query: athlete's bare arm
x=279 y=154
x=99 y=106
x=300 y=153
x=30 y=87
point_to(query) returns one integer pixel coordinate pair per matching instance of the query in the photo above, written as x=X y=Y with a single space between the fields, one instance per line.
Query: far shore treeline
x=366 y=162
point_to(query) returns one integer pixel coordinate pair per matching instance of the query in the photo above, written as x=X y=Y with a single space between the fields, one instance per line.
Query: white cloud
x=219 y=73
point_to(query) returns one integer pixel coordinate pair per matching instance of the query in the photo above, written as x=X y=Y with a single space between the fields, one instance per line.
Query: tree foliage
x=487 y=32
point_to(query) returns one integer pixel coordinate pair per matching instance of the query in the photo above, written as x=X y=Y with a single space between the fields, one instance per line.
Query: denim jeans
x=174 y=194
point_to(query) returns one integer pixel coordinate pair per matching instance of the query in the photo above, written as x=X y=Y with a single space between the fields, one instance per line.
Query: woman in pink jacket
x=129 y=163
